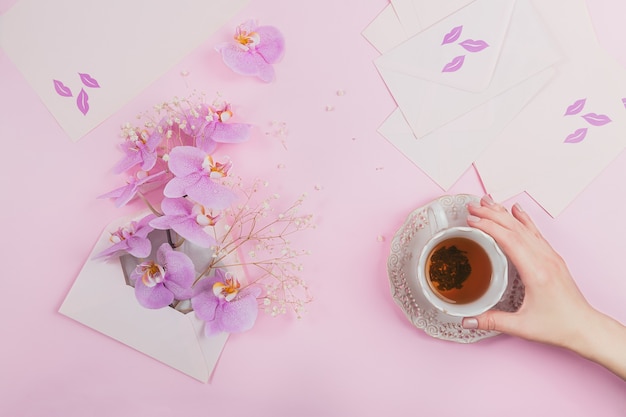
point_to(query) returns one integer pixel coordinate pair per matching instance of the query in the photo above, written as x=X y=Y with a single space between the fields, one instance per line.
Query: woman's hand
x=554 y=311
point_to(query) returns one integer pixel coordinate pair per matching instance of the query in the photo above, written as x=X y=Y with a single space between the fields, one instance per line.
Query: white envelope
x=100 y=299
x=557 y=145
x=572 y=129
x=121 y=47
x=417 y=15
x=385 y=32
x=446 y=71
x=445 y=154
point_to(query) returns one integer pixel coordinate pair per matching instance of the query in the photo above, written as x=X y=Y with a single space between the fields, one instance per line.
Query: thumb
x=499 y=321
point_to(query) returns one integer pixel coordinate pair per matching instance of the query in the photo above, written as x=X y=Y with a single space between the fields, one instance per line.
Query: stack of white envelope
x=519 y=88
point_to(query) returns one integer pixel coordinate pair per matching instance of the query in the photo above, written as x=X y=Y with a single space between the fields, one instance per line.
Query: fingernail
x=487 y=199
x=518 y=207
x=469 y=323
x=472 y=218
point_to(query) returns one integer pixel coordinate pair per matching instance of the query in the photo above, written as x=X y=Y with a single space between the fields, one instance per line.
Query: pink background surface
x=354 y=353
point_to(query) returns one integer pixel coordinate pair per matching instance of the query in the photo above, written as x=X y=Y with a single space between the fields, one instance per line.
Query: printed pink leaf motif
x=82 y=101
x=61 y=89
x=453 y=35
x=474 y=45
x=88 y=80
x=576 y=107
x=596 y=119
x=577 y=136
x=624 y=102
x=455 y=64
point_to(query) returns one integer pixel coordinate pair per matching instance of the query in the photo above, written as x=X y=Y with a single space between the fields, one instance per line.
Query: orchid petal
x=231 y=132
x=126 y=195
x=210 y=194
x=143 y=223
x=129 y=161
x=176 y=206
x=180 y=272
x=204 y=137
x=139 y=247
x=114 y=193
x=149 y=159
x=153 y=297
x=177 y=186
x=238 y=315
x=193 y=232
x=246 y=62
x=272 y=45
x=204 y=303
x=112 y=250
x=185 y=160
x=167 y=222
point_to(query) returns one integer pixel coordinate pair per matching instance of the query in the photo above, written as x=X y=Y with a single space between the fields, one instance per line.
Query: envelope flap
x=461 y=51
x=100 y=299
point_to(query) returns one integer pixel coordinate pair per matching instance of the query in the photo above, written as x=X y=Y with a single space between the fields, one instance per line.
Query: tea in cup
x=461 y=270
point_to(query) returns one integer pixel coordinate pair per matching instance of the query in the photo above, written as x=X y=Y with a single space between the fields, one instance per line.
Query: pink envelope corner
x=100 y=299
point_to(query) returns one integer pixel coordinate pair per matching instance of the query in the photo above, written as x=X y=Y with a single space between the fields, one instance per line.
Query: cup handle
x=437 y=218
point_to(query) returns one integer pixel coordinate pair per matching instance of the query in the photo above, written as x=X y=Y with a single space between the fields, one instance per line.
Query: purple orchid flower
x=158 y=284
x=126 y=193
x=255 y=50
x=140 y=149
x=132 y=239
x=190 y=220
x=209 y=127
x=223 y=305
x=194 y=171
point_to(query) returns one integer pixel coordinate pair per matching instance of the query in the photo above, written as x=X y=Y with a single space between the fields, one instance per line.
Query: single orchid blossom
x=207 y=124
x=140 y=149
x=190 y=220
x=158 y=284
x=126 y=193
x=132 y=239
x=254 y=51
x=223 y=305
x=194 y=172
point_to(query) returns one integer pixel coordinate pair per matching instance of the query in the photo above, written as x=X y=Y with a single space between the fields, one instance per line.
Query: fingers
x=524 y=219
x=497 y=213
x=492 y=320
x=515 y=233
x=490 y=217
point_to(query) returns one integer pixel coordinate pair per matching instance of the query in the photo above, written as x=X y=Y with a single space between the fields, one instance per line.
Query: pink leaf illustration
x=624 y=102
x=61 y=89
x=453 y=35
x=596 y=119
x=576 y=107
x=474 y=46
x=577 y=136
x=455 y=64
x=82 y=101
x=88 y=80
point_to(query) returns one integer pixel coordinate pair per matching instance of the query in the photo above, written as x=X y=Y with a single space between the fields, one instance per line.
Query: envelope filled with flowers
x=209 y=252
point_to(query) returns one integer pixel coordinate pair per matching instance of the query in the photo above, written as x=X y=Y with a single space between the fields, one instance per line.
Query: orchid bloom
x=223 y=305
x=126 y=193
x=254 y=51
x=158 y=284
x=132 y=239
x=208 y=126
x=190 y=220
x=140 y=148
x=194 y=171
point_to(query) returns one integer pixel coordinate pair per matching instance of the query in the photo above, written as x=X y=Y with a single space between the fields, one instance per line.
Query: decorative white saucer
x=405 y=248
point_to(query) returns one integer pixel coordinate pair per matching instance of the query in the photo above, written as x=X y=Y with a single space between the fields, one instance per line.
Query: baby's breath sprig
x=261 y=234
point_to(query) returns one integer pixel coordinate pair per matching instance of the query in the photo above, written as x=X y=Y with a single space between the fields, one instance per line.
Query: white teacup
x=445 y=278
